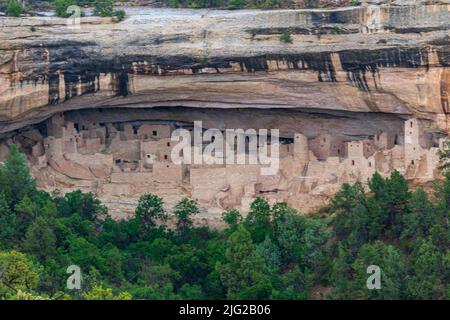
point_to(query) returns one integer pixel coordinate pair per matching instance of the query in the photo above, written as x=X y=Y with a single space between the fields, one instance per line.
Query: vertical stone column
x=412 y=146
x=301 y=150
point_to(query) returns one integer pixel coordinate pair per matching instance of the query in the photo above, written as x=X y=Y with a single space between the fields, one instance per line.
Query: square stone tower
x=413 y=149
x=301 y=150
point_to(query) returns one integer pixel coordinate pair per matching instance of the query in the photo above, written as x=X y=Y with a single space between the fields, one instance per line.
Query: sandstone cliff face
x=349 y=80
x=391 y=59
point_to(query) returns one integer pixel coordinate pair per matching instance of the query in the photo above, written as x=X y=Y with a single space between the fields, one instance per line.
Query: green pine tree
x=244 y=272
x=16 y=181
x=150 y=210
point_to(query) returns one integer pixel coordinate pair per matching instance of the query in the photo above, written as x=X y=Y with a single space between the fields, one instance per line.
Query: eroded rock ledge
x=364 y=59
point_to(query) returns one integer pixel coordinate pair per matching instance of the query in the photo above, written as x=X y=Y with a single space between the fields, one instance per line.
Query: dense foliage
x=271 y=253
x=13 y=8
x=61 y=7
x=102 y=8
x=105 y=8
x=286 y=37
x=259 y=4
x=229 y=4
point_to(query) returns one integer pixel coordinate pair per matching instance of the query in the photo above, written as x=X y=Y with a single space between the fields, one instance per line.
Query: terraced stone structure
x=359 y=89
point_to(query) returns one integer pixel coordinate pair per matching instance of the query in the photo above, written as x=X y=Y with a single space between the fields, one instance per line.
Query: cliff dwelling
x=122 y=154
x=356 y=90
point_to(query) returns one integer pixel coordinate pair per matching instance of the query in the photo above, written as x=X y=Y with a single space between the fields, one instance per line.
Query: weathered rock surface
x=391 y=59
x=351 y=74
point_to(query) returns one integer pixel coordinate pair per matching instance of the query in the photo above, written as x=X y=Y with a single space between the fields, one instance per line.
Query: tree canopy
x=272 y=253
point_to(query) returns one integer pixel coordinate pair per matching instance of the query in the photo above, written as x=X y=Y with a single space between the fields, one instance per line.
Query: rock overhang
x=362 y=59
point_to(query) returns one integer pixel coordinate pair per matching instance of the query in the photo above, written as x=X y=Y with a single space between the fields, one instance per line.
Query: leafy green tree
x=279 y=211
x=184 y=210
x=442 y=194
x=440 y=236
x=86 y=205
x=361 y=218
x=446 y=275
x=398 y=199
x=358 y=226
x=257 y=221
x=24 y=295
x=342 y=273
x=390 y=261
x=160 y=248
x=60 y=7
x=232 y=218
x=13 y=8
x=426 y=270
x=16 y=181
x=121 y=233
x=314 y=243
x=191 y=292
x=143 y=254
x=343 y=205
x=289 y=232
x=190 y=263
x=372 y=226
x=377 y=185
x=271 y=254
x=104 y=8
x=284 y=255
x=368 y=220
x=119 y=15
x=154 y=292
x=17 y=272
x=294 y=284
x=236 y=4
x=100 y=293
x=158 y=275
x=51 y=280
x=26 y=211
x=7 y=224
x=444 y=157
x=40 y=240
x=420 y=217
x=213 y=286
x=261 y=290
x=286 y=37
x=112 y=267
x=244 y=269
x=84 y=254
x=393 y=196
x=150 y=210
x=77 y=226
x=46 y=204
